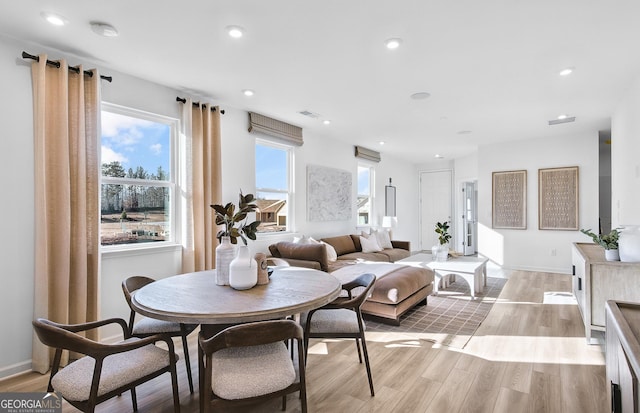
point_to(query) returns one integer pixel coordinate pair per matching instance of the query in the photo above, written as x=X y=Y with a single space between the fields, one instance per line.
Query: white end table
x=472 y=269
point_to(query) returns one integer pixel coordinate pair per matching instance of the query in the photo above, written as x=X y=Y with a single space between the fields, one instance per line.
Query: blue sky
x=135 y=142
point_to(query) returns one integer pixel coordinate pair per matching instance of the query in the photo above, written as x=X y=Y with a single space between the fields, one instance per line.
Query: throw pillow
x=304 y=240
x=332 y=255
x=384 y=240
x=370 y=244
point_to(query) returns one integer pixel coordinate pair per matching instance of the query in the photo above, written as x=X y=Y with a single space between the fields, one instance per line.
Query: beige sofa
x=393 y=295
x=348 y=250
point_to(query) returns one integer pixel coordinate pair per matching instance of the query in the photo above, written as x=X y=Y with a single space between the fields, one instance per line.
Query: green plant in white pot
x=607 y=241
x=441 y=252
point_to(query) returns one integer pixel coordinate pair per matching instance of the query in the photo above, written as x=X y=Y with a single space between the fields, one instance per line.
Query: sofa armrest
x=405 y=245
x=303 y=252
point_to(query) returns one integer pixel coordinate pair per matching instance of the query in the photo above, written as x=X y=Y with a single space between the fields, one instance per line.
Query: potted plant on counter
x=607 y=241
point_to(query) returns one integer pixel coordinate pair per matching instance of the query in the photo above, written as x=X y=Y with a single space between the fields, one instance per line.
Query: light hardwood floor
x=527 y=356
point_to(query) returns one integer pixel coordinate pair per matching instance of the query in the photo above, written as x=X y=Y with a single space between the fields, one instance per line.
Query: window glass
x=273 y=163
x=365 y=183
x=137 y=177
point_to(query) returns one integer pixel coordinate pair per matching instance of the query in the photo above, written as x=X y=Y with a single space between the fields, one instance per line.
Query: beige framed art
x=509 y=199
x=558 y=198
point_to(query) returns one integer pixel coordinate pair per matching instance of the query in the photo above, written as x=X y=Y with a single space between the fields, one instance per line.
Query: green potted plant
x=441 y=252
x=607 y=241
x=234 y=221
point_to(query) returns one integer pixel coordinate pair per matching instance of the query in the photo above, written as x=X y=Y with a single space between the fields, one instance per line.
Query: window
x=138 y=177
x=365 y=194
x=273 y=186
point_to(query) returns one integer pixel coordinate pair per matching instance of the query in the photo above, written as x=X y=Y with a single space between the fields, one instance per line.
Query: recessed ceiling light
x=104 y=29
x=235 y=31
x=393 y=43
x=381 y=142
x=421 y=95
x=566 y=72
x=438 y=156
x=54 y=18
x=326 y=121
x=248 y=92
x=563 y=117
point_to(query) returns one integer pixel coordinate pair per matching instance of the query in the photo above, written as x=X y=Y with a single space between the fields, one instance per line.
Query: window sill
x=130 y=250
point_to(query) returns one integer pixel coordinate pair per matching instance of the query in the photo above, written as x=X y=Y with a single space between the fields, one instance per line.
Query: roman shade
x=281 y=130
x=367 y=154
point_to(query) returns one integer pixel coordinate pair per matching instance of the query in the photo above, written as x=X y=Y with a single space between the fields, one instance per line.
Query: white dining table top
x=194 y=298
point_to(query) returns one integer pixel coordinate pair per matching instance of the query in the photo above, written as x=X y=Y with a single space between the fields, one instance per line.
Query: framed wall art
x=328 y=194
x=509 y=199
x=558 y=198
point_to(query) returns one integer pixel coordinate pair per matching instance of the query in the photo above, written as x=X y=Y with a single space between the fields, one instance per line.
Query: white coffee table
x=471 y=269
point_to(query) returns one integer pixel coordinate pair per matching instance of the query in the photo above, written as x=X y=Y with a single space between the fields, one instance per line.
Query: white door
x=469 y=218
x=435 y=205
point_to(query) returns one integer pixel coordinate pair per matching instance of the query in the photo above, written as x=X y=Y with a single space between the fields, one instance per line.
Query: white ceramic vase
x=243 y=271
x=225 y=253
x=440 y=252
x=611 y=255
x=629 y=244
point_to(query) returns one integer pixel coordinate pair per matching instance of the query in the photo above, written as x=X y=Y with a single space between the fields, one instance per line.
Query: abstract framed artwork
x=509 y=199
x=328 y=194
x=558 y=198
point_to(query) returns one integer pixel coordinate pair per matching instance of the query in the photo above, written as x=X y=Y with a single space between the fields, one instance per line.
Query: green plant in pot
x=607 y=241
x=235 y=220
x=441 y=251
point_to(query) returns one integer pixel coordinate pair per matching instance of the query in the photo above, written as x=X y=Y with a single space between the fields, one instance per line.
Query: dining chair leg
x=365 y=353
x=134 y=399
x=201 y=377
x=187 y=361
x=359 y=352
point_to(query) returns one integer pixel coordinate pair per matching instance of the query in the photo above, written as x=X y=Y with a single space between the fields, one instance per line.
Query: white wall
x=534 y=249
x=16 y=149
x=625 y=160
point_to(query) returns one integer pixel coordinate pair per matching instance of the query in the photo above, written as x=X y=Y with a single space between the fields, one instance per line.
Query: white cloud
x=123 y=130
x=156 y=148
x=108 y=155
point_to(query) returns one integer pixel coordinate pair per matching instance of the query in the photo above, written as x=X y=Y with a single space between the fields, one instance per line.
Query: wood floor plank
x=527 y=356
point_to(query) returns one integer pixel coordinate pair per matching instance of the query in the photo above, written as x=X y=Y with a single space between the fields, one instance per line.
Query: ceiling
x=491 y=67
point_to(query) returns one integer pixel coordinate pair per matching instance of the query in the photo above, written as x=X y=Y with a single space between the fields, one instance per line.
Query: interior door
x=469 y=218
x=435 y=205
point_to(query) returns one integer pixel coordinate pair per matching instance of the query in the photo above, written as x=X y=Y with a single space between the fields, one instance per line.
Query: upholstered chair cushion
x=242 y=372
x=342 y=320
x=152 y=326
x=74 y=381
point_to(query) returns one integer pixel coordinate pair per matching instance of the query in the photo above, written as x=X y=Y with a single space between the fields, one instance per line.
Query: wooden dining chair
x=106 y=370
x=342 y=318
x=249 y=363
x=150 y=326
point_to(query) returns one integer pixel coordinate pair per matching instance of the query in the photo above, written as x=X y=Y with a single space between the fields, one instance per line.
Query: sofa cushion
x=366 y=256
x=395 y=254
x=309 y=252
x=343 y=244
x=370 y=244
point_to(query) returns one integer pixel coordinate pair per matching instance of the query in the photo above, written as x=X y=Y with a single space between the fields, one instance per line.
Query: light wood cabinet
x=597 y=280
x=623 y=351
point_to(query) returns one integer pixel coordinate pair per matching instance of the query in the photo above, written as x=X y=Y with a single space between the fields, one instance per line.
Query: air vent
x=559 y=121
x=309 y=114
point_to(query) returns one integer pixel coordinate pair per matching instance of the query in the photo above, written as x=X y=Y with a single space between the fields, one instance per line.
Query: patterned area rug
x=448 y=319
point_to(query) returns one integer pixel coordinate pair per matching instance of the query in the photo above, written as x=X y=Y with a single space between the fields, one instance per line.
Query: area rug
x=449 y=318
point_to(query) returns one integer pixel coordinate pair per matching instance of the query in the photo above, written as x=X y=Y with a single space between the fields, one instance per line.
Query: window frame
x=288 y=149
x=174 y=172
x=372 y=194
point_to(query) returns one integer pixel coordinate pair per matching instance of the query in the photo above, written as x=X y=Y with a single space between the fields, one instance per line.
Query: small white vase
x=225 y=253
x=611 y=255
x=243 y=271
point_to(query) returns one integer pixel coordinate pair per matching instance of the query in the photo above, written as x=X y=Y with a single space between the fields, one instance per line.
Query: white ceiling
x=490 y=66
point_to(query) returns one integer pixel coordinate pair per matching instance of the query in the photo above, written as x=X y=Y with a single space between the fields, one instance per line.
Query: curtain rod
x=197 y=104
x=26 y=55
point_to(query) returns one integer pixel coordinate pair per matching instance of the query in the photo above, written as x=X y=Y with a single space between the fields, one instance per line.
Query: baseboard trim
x=15 y=369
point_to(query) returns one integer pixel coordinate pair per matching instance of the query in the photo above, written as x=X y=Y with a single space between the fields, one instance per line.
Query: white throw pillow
x=304 y=240
x=384 y=240
x=370 y=244
x=332 y=255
